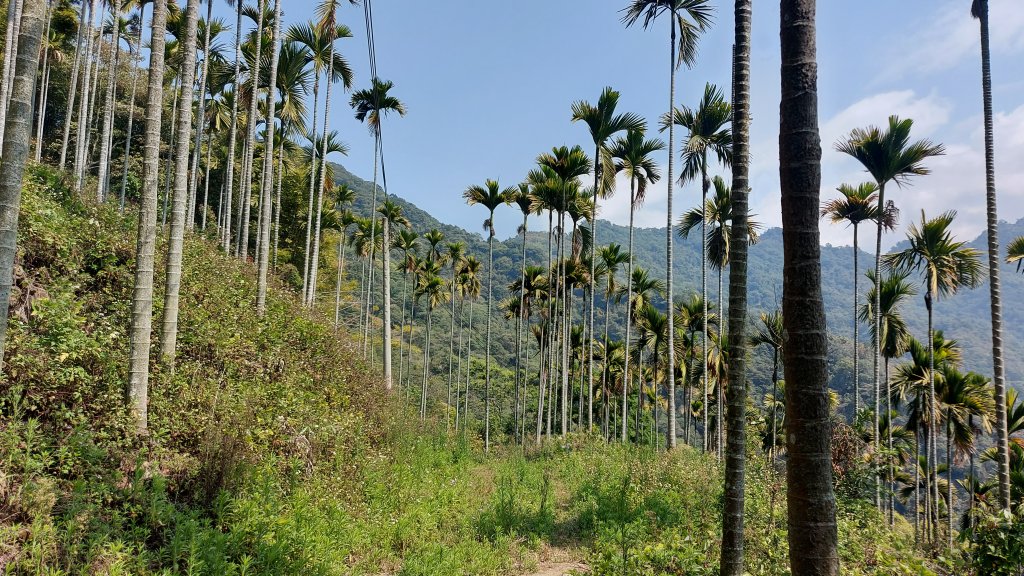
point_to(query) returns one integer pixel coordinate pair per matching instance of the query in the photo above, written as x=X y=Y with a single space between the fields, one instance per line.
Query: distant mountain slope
x=963 y=317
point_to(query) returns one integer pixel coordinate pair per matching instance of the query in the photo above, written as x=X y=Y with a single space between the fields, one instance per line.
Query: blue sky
x=489 y=86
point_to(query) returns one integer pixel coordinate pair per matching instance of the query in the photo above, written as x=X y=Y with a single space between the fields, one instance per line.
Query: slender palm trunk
x=426 y=362
x=604 y=371
x=812 y=532
x=15 y=151
x=312 y=190
x=373 y=248
x=169 y=331
x=83 y=11
x=540 y=387
x=669 y=241
x=521 y=373
x=856 y=329
x=277 y=201
x=458 y=366
x=83 y=107
x=142 y=298
x=337 y=294
x=245 y=186
x=917 y=488
x=487 y=358
x=451 y=352
x=268 y=169
x=206 y=183
x=469 y=369
x=131 y=108
x=876 y=354
x=888 y=430
x=949 y=479
x=593 y=279
x=168 y=172
x=704 y=298
x=629 y=314
x=314 y=264
x=735 y=462
x=103 y=184
x=386 y=293
x=193 y=188
x=933 y=461
x=45 y=76
x=229 y=169
x=992 y=229
x=14 y=16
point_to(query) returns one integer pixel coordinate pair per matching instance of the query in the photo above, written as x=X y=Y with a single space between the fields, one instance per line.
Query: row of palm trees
x=271 y=73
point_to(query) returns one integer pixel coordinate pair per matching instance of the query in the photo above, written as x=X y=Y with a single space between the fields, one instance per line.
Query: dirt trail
x=559 y=569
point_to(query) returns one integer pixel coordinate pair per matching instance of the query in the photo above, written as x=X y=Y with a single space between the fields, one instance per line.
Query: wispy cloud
x=944 y=37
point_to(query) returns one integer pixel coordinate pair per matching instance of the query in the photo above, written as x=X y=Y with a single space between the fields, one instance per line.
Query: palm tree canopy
x=887 y=154
x=895 y=333
x=707 y=132
x=632 y=154
x=857 y=204
x=371 y=103
x=603 y=123
x=717 y=212
x=1015 y=252
x=690 y=18
x=490 y=196
x=948 y=265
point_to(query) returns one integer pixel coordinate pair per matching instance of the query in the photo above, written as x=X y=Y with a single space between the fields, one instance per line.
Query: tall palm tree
x=813 y=536
x=687 y=19
x=116 y=26
x=947 y=265
x=632 y=154
x=603 y=123
x=145 y=250
x=706 y=134
x=889 y=156
x=176 y=236
x=895 y=339
x=979 y=10
x=855 y=205
x=371 y=105
x=15 y=149
x=229 y=169
x=490 y=196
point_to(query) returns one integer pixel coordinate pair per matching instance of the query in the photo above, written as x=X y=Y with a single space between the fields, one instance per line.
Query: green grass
x=272 y=450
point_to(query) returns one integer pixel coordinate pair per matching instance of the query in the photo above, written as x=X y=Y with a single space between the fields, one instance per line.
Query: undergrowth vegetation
x=272 y=450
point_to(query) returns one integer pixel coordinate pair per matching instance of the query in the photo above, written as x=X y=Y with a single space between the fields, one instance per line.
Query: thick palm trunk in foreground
x=142 y=299
x=813 y=538
x=15 y=151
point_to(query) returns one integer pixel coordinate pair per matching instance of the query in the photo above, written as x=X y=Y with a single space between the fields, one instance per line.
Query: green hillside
x=964 y=317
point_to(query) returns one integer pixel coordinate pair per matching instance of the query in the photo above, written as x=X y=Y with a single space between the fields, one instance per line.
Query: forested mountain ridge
x=963 y=317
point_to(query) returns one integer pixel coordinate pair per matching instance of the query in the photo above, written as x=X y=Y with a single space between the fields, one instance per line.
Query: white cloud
x=946 y=36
